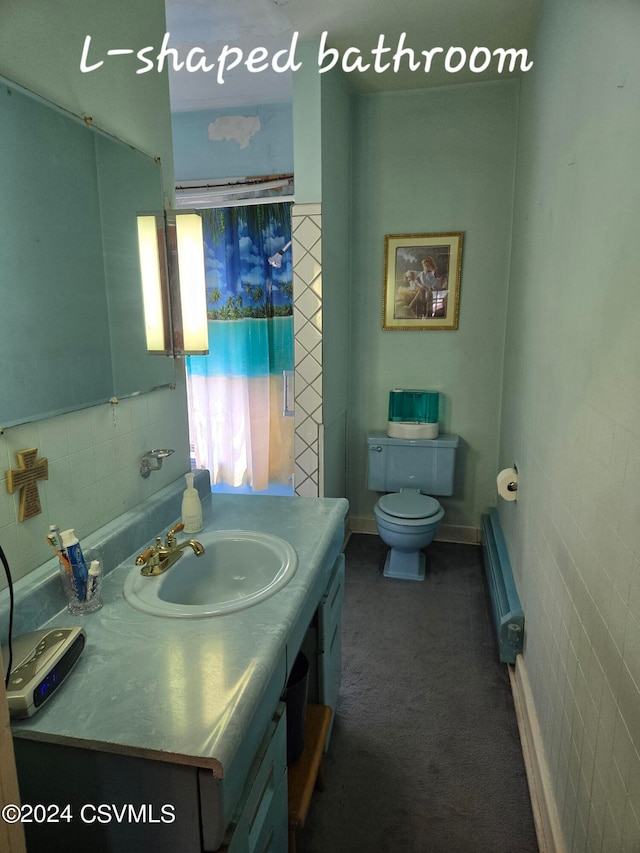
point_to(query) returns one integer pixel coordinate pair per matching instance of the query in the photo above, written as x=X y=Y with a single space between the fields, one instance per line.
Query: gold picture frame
x=422 y=281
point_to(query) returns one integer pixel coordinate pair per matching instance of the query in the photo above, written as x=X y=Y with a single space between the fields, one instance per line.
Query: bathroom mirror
x=71 y=315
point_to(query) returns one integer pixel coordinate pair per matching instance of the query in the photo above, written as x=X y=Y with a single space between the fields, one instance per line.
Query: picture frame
x=422 y=281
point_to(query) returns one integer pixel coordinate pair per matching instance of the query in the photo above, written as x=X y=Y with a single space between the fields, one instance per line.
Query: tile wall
x=306 y=222
x=571 y=413
x=94 y=468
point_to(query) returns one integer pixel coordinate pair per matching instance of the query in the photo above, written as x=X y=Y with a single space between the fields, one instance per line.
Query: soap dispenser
x=191 y=507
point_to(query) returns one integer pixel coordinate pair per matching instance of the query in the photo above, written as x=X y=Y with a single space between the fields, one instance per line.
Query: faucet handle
x=141 y=559
x=150 y=556
x=171 y=535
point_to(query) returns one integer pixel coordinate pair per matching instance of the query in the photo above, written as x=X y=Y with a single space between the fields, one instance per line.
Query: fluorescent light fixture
x=193 y=296
x=173 y=282
x=152 y=285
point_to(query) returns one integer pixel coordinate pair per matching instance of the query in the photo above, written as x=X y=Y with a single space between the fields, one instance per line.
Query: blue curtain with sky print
x=236 y=400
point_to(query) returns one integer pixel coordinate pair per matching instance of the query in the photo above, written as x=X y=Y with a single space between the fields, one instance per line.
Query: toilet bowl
x=409 y=471
x=407 y=522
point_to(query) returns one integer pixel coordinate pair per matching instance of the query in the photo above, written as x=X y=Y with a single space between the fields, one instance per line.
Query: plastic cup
x=92 y=599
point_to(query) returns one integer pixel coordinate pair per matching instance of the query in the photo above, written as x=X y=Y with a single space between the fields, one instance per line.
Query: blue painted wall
x=307 y=127
x=431 y=161
x=269 y=151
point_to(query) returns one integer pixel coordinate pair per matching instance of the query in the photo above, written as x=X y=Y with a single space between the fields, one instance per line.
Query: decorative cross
x=26 y=479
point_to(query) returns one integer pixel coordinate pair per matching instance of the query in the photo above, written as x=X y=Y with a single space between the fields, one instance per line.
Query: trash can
x=295 y=697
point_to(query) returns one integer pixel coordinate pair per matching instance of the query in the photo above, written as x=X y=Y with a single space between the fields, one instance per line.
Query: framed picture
x=422 y=281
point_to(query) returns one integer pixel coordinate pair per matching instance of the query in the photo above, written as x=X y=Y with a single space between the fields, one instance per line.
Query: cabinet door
x=330 y=637
x=262 y=818
x=114 y=802
x=273 y=836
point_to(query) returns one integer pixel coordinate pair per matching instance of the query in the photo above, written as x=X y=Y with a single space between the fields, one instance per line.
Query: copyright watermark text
x=88 y=813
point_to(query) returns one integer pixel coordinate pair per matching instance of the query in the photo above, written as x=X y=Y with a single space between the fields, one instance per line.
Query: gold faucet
x=159 y=557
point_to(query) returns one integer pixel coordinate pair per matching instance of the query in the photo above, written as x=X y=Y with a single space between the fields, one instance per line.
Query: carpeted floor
x=425 y=755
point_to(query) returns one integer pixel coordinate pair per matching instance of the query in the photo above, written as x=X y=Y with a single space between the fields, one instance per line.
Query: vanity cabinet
x=177 y=808
x=108 y=802
x=323 y=643
x=330 y=638
x=170 y=735
x=261 y=822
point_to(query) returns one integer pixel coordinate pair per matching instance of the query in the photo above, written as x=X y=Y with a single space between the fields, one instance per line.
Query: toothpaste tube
x=78 y=566
x=94 y=579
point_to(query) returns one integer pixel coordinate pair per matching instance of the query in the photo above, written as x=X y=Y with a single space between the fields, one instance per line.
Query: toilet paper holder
x=507 y=483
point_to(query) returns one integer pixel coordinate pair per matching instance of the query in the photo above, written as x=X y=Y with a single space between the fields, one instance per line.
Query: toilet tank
x=424 y=464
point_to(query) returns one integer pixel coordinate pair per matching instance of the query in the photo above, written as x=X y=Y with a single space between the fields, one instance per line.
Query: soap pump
x=191 y=507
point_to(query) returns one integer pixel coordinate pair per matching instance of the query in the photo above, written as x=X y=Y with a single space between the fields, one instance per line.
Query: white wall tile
x=306 y=227
x=571 y=401
x=94 y=461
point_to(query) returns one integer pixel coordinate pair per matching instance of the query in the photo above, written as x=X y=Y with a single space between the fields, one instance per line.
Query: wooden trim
x=11 y=834
x=545 y=812
x=306 y=773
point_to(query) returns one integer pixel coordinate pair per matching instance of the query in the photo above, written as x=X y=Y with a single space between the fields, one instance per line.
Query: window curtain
x=236 y=393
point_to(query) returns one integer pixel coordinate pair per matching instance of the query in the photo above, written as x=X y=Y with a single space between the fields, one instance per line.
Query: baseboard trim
x=361 y=524
x=543 y=804
x=463 y=534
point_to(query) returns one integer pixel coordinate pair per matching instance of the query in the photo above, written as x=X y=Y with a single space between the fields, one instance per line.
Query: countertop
x=186 y=690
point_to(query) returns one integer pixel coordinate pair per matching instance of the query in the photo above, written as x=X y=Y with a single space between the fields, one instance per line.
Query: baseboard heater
x=505 y=603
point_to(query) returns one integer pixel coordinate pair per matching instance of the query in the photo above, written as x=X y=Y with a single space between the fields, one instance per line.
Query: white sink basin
x=239 y=568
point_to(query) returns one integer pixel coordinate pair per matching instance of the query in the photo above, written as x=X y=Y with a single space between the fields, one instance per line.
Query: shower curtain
x=237 y=426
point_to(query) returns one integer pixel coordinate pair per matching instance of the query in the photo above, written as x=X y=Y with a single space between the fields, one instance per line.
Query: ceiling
x=210 y=25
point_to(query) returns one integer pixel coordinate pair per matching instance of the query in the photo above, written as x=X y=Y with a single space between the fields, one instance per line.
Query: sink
x=239 y=568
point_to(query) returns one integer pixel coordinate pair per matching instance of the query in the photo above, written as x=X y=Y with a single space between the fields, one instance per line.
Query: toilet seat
x=410 y=505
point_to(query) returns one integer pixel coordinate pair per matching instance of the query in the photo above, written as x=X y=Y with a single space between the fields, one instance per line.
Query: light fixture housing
x=173 y=282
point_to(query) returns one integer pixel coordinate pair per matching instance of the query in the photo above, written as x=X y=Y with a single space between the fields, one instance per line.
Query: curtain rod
x=254 y=181
x=234 y=192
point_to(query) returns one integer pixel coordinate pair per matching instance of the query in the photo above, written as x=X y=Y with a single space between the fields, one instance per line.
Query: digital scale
x=41 y=662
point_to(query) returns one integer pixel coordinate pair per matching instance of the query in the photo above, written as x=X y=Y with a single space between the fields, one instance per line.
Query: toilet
x=409 y=471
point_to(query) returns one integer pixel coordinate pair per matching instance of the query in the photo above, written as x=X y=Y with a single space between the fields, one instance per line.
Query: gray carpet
x=425 y=753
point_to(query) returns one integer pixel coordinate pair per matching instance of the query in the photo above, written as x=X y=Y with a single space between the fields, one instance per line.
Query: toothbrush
x=53 y=540
x=56 y=541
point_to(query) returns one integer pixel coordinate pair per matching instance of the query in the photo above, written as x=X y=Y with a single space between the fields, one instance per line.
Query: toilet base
x=405 y=565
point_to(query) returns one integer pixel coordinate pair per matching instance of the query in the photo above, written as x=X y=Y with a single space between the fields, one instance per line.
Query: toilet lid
x=409 y=505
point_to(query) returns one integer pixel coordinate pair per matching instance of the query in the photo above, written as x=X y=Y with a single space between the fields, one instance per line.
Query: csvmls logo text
x=127 y=813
